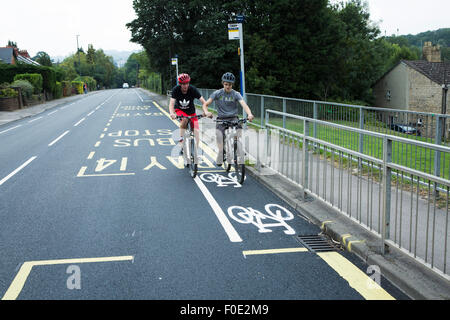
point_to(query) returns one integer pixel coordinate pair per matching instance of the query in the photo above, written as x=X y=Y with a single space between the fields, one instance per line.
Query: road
x=95 y=204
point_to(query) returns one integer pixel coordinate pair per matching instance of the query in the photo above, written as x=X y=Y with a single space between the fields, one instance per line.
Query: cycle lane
x=245 y=206
x=179 y=248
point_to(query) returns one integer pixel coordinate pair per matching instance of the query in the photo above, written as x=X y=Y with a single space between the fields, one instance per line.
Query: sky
x=53 y=25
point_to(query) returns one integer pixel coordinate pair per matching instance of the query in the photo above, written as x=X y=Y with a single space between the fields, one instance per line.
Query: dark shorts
x=222 y=127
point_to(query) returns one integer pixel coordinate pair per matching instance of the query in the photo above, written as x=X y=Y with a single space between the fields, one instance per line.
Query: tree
x=43 y=58
x=90 y=56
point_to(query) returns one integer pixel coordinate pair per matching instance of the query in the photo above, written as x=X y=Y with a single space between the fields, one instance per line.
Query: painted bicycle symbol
x=274 y=212
x=220 y=180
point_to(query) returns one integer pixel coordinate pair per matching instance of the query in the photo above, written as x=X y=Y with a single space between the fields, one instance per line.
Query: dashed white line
x=53 y=112
x=34 y=120
x=76 y=124
x=17 y=170
x=59 y=138
x=10 y=129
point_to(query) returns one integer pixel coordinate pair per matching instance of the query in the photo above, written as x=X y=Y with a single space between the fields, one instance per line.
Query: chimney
x=431 y=53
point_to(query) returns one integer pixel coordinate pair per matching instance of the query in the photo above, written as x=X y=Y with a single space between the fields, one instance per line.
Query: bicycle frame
x=190 y=146
x=233 y=151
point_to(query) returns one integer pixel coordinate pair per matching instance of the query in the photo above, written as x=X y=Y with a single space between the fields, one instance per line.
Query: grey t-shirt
x=226 y=103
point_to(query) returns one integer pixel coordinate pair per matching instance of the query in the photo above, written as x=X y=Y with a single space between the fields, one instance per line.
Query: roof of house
x=27 y=60
x=6 y=55
x=435 y=71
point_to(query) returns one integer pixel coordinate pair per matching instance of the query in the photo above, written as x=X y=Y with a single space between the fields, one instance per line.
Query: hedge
x=35 y=79
x=91 y=82
x=8 y=72
x=8 y=93
x=66 y=88
x=59 y=90
x=26 y=86
x=78 y=86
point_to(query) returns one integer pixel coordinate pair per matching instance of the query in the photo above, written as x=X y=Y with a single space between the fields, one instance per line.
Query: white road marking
x=76 y=124
x=226 y=224
x=17 y=170
x=53 y=112
x=34 y=120
x=138 y=95
x=10 y=129
x=59 y=138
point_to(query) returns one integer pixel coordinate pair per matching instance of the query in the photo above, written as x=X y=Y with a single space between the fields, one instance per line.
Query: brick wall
x=424 y=94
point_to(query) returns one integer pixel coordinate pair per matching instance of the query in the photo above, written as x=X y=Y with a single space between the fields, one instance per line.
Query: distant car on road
x=125 y=86
x=403 y=128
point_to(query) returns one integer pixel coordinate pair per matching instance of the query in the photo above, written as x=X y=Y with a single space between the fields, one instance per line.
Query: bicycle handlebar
x=232 y=123
x=198 y=116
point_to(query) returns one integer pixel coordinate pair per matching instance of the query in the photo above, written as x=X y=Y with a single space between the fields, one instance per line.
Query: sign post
x=235 y=32
x=175 y=63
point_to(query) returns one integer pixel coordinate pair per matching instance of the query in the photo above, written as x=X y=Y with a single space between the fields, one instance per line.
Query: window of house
x=388 y=95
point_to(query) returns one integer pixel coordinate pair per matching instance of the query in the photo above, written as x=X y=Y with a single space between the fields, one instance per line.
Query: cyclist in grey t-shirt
x=227 y=101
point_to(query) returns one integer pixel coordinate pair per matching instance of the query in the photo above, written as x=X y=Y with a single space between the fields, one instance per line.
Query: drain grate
x=316 y=243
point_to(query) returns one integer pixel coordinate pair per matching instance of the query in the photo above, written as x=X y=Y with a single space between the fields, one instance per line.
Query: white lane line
x=17 y=170
x=90 y=113
x=53 y=112
x=138 y=95
x=76 y=124
x=10 y=129
x=34 y=120
x=59 y=138
x=226 y=224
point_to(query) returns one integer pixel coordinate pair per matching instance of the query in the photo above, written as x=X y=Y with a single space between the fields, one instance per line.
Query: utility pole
x=78 y=53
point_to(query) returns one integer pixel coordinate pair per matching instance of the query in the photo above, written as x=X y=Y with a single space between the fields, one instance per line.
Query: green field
x=415 y=157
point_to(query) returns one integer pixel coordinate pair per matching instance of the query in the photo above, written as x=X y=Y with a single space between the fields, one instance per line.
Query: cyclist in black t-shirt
x=182 y=103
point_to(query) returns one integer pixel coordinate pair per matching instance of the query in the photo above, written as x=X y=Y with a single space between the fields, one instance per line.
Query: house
x=415 y=85
x=12 y=55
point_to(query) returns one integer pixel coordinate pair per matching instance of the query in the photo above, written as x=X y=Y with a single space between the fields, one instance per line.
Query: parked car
x=406 y=129
x=125 y=86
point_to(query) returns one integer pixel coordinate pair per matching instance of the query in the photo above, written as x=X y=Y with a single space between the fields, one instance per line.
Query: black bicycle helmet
x=228 y=77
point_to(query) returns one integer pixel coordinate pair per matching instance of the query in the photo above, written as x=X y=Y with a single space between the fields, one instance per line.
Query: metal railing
x=419 y=126
x=406 y=207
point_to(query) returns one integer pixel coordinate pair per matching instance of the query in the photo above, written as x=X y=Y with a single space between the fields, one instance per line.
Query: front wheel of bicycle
x=240 y=172
x=193 y=157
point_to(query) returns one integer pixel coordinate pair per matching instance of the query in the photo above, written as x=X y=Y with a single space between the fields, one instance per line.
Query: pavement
x=410 y=276
x=10 y=116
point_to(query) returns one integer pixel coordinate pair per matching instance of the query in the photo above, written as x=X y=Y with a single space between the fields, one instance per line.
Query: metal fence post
x=284 y=115
x=305 y=164
x=315 y=116
x=387 y=159
x=262 y=112
x=437 y=154
x=361 y=126
x=266 y=118
x=438 y=141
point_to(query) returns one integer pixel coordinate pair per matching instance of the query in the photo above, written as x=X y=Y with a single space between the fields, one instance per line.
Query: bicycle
x=233 y=152
x=190 y=146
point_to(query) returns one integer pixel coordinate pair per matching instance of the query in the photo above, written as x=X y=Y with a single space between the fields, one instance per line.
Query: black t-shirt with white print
x=185 y=102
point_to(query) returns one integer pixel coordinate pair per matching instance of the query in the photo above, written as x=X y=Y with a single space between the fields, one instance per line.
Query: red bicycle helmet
x=184 y=78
